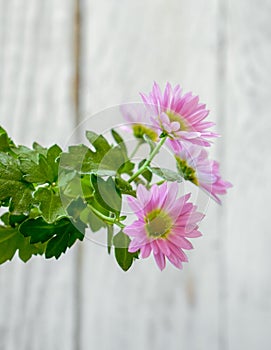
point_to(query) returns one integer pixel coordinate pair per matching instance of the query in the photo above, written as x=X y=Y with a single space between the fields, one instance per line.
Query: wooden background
x=50 y=80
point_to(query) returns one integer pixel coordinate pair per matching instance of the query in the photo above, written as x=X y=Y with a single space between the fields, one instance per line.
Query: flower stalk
x=107 y=219
x=149 y=160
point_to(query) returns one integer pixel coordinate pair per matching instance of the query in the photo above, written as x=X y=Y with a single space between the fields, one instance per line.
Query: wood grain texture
x=36 y=72
x=127 y=45
x=36 y=87
x=248 y=163
x=220 y=50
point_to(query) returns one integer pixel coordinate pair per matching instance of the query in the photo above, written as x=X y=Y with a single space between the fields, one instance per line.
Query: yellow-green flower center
x=187 y=172
x=139 y=131
x=158 y=224
x=177 y=118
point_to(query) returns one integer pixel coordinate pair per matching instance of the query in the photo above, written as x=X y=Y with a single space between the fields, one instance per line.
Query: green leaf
x=8 y=243
x=50 y=204
x=65 y=176
x=13 y=186
x=78 y=186
x=77 y=234
x=124 y=258
x=62 y=240
x=76 y=207
x=39 y=165
x=5 y=218
x=39 y=230
x=98 y=142
x=84 y=161
x=87 y=190
x=57 y=245
x=9 y=167
x=147 y=174
x=103 y=160
x=36 y=172
x=60 y=235
x=12 y=240
x=105 y=156
x=119 y=141
x=5 y=142
x=14 y=220
x=166 y=174
x=78 y=159
x=125 y=187
x=126 y=168
x=106 y=194
x=26 y=250
x=108 y=157
x=39 y=149
x=53 y=157
x=89 y=218
x=23 y=152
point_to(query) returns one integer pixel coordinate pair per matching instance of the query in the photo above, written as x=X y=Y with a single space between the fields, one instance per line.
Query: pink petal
x=167 y=94
x=160 y=260
x=134 y=204
x=154 y=247
x=145 y=251
x=143 y=195
x=175 y=261
x=133 y=249
x=162 y=244
x=171 y=196
x=180 y=241
x=144 y=97
x=135 y=230
x=178 y=207
x=165 y=119
x=177 y=252
x=175 y=126
x=194 y=234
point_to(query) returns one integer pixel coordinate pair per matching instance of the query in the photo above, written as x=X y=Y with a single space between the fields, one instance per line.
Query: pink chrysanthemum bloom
x=195 y=166
x=179 y=115
x=138 y=121
x=163 y=224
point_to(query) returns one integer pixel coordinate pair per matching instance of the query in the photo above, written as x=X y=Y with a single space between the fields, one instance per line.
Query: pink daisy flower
x=179 y=115
x=195 y=166
x=138 y=121
x=163 y=224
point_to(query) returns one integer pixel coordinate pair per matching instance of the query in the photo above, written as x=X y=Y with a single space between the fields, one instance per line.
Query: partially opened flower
x=195 y=166
x=179 y=115
x=163 y=224
x=138 y=121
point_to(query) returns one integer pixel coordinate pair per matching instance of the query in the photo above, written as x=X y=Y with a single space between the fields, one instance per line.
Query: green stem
x=140 y=142
x=105 y=218
x=148 y=161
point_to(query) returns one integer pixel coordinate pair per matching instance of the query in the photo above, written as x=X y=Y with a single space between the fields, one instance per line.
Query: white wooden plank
x=37 y=299
x=248 y=159
x=36 y=87
x=128 y=45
